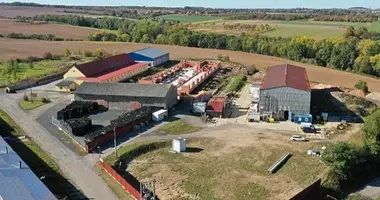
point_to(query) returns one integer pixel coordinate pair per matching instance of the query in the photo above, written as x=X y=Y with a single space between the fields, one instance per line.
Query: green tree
x=362 y=85
x=350 y=32
x=86 y=53
x=67 y=52
x=371 y=131
x=99 y=53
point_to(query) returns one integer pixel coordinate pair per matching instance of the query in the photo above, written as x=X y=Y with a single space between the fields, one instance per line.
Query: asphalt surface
x=77 y=169
x=372 y=189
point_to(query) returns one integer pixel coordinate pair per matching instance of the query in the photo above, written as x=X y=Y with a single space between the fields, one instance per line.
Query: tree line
x=270 y=16
x=358 y=51
x=249 y=27
x=364 y=18
x=49 y=37
x=351 y=164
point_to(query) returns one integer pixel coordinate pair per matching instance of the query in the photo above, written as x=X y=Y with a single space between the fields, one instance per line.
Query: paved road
x=76 y=168
x=372 y=189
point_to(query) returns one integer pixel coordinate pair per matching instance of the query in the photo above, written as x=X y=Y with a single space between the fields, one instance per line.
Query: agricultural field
x=230 y=166
x=24 y=48
x=187 y=18
x=318 y=30
x=26 y=11
x=59 y=30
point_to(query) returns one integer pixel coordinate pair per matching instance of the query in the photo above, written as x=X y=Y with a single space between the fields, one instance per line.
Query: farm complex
x=192 y=103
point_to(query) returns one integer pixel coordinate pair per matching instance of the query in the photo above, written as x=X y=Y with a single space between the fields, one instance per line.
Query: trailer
x=159 y=115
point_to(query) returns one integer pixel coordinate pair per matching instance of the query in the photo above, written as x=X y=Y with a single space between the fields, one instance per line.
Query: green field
x=315 y=32
x=187 y=18
x=24 y=71
x=178 y=127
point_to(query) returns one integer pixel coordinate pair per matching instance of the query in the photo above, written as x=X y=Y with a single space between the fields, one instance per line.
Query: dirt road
x=24 y=48
x=76 y=168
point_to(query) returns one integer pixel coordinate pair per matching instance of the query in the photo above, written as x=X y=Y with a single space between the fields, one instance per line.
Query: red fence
x=127 y=187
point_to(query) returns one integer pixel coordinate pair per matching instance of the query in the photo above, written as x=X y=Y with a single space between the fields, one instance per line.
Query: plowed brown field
x=63 y=31
x=24 y=48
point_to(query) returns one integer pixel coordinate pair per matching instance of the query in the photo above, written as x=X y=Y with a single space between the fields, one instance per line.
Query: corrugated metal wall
x=123 y=103
x=286 y=99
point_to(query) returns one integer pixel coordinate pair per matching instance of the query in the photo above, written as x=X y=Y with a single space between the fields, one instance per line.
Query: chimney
x=19 y=164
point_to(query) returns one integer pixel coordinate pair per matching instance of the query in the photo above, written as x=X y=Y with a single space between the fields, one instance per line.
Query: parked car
x=298 y=138
x=309 y=130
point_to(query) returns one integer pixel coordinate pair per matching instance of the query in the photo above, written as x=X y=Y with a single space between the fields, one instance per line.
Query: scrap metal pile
x=122 y=120
x=77 y=109
x=79 y=126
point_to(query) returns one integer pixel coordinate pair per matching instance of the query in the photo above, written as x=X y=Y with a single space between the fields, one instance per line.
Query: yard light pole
x=114 y=141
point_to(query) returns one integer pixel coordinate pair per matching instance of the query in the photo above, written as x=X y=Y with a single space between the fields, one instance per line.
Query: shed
x=66 y=85
x=150 y=55
x=120 y=96
x=216 y=105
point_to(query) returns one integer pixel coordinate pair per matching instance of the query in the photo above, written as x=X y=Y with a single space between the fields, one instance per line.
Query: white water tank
x=179 y=145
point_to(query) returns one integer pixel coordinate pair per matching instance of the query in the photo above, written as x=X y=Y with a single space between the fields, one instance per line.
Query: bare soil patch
x=232 y=165
x=27 y=11
x=23 y=48
x=63 y=31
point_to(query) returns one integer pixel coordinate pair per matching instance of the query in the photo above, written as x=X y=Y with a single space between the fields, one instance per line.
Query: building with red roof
x=112 y=69
x=286 y=90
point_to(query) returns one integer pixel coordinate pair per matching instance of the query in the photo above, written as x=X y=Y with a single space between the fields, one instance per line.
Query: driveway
x=75 y=168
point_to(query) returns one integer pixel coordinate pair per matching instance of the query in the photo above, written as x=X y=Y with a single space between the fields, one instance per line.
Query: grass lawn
x=115 y=187
x=236 y=83
x=316 y=32
x=188 y=18
x=39 y=161
x=240 y=172
x=40 y=68
x=28 y=105
x=178 y=127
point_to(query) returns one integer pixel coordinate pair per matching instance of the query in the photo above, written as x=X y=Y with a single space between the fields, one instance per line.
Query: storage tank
x=179 y=145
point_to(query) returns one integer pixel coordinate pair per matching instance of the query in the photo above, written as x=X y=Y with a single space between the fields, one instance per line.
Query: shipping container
x=159 y=115
x=303 y=119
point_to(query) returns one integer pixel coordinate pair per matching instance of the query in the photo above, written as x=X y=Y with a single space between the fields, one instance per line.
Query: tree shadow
x=53 y=179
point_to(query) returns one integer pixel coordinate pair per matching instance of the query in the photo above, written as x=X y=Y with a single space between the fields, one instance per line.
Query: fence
x=119 y=179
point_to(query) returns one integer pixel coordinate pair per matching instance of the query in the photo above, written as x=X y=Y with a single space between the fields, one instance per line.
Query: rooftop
x=286 y=75
x=151 y=52
x=124 y=89
x=101 y=67
x=114 y=73
x=19 y=183
x=65 y=83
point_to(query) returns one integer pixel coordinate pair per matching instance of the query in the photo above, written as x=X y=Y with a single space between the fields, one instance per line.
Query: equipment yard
x=210 y=168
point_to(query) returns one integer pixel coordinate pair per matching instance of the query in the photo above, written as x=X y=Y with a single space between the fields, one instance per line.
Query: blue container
x=303 y=118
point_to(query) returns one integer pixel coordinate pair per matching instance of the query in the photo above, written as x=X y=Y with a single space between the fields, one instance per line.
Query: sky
x=220 y=3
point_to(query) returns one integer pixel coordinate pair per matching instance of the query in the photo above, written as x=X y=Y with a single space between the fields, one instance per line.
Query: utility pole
x=114 y=141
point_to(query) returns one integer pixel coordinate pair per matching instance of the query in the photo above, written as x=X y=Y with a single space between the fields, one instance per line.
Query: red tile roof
x=216 y=104
x=286 y=76
x=114 y=73
x=96 y=68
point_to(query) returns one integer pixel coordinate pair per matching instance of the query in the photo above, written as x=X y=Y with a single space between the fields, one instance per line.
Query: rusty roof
x=286 y=75
x=104 y=66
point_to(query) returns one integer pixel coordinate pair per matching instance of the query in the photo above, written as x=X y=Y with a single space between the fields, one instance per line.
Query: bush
x=67 y=52
x=362 y=85
x=26 y=98
x=45 y=100
x=48 y=56
x=252 y=70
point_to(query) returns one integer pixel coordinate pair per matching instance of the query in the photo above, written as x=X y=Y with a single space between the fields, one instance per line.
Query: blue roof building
x=152 y=56
x=17 y=181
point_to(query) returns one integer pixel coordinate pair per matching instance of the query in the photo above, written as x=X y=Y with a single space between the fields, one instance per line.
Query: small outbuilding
x=152 y=56
x=66 y=85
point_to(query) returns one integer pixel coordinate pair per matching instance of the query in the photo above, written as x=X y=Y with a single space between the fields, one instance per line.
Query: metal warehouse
x=17 y=180
x=123 y=96
x=152 y=56
x=285 y=92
